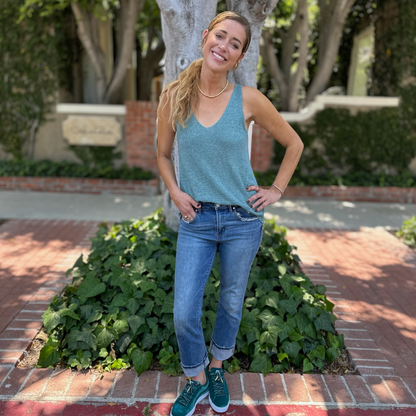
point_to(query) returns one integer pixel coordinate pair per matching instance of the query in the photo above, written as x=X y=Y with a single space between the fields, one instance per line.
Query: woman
x=220 y=203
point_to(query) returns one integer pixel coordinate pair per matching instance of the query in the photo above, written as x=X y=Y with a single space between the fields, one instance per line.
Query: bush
x=49 y=168
x=407 y=232
x=118 y=310
x=407 y=179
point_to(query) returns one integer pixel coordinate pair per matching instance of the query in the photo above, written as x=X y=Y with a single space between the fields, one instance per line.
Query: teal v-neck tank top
x=214 y=164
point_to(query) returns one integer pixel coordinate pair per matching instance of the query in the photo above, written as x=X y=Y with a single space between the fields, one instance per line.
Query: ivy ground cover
x=118 y=310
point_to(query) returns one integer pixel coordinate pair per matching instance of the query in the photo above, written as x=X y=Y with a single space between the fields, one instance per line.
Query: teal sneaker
x=191 y=395
x=219 y=398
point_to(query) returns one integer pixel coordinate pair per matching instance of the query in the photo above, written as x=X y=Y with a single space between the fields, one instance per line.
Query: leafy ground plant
x=407 y=232
x=118 y=310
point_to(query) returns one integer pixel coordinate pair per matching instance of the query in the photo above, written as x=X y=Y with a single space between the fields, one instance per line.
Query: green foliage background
x=28 y=65
x=118 y=311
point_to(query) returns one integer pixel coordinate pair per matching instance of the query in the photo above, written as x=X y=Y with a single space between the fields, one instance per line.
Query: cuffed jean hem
x=194 y=371
x=220 y=354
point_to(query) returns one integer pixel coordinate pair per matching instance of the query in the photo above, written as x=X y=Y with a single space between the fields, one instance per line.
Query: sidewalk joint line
x=157 y=384
x=352 y=329
x=7 y=376
x=263 y=386
x=327 y=389
x=408 y=389
x=15 y=339
x=306 y=387
x=110 y=393
x=364 y=349
x=46 y=384
x=370 y=366
x=11 y=351
x=28 y=320
x=285 y=387
x=242 y=385
x=359 y=339
x=179 y=386
x=136 y=383
x=369 y=359
x=389 y=390
x=25 y=381
x=369 y=389
x=349 y=390
x=69 y=383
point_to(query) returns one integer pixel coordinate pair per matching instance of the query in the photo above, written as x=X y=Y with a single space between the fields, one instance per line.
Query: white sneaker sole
x=219 y=409
x=198 y=400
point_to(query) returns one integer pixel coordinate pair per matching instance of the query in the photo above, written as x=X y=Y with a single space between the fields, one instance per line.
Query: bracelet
x=278 y=188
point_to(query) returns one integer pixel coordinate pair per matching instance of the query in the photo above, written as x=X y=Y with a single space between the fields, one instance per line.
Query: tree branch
x=125 y=51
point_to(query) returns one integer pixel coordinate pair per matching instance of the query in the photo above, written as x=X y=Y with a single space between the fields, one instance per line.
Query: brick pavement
x=370 y=276
x=34 y=256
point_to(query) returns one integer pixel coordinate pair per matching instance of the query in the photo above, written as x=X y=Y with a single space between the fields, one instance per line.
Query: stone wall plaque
x=92 y=131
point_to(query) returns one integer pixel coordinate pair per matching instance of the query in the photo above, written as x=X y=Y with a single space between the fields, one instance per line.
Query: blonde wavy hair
x=182 y=94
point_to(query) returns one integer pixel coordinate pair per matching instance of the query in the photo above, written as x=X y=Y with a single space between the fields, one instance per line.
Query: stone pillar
x=140 y=135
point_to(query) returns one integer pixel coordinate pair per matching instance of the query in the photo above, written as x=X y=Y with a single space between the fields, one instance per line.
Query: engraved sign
x=91 y=131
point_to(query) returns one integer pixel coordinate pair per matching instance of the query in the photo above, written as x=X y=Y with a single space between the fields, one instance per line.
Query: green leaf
x=141 y=360
x=281 y=356
x=307 y=365
x=168 y=305
x=310 y=331
x=96 y=315
x=51 y=319
x=321 y=289
x=269 y=337
x=103 y=353
x=291 y=348
x=302 y=321
x=121 y=326
x=68 y=312
x=294 y=335
x=331 y=354
x=310 y=311
x=135 y=322
x=132 y=305
x=91 y=287
x=105 y=336
x=290 y=305
x=323 y=321
x=48 y=356
x=261 y=364
x=88 y=337
x=269 y=320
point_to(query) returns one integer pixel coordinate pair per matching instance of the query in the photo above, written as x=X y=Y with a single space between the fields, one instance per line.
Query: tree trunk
x=256 y=12
x=130 y=12
x=183 y=23
x=87 y=29
x=333 y=15
x=288 y=85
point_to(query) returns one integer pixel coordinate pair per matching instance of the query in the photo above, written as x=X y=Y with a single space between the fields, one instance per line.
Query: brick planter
x=352 y=193
x=80 y=185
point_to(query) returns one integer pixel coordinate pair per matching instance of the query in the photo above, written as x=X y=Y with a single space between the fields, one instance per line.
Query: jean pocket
x=244 y=215
x=190 y=221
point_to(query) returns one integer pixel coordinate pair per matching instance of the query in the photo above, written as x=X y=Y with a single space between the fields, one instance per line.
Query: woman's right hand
x=186 y=204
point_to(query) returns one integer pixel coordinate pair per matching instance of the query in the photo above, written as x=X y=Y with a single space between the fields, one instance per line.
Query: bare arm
x=166 y=137
x=258 y=108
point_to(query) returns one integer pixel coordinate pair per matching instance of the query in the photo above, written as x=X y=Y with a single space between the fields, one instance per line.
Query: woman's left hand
x=263 y=197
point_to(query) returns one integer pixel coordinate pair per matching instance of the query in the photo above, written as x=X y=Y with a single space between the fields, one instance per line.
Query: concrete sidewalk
x=290 y=213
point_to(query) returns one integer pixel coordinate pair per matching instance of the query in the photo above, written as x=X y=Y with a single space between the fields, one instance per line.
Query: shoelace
x=187 y=392
x=218 y=383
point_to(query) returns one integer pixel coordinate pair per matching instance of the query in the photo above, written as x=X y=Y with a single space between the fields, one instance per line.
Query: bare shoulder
x=255 y=103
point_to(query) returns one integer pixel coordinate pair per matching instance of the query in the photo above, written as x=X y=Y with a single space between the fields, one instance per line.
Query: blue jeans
x=236 y=235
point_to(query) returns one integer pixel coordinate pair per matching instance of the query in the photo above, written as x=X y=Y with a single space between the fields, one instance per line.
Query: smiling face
x=223 y=45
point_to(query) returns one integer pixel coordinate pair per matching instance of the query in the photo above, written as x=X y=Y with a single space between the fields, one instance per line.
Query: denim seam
x=222 y=348
x=195 y=366
x=198 y=321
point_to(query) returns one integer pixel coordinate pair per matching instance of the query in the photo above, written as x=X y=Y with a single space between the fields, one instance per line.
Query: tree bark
x=333 y=15
x=130 y=12
x=256 y=12
x=88 y=34
x=288 y=85
x=183 y=23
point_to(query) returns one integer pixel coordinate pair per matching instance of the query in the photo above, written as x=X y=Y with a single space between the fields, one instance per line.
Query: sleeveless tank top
x=214 y=164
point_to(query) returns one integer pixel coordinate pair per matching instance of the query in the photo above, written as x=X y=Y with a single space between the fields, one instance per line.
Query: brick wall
x=141 y=130
x=80 y=185
x=140 y=135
